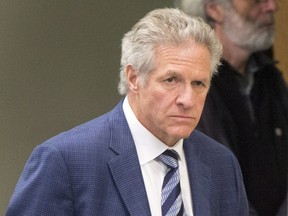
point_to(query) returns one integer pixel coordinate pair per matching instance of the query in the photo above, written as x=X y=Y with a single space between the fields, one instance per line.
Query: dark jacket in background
x=249 y=115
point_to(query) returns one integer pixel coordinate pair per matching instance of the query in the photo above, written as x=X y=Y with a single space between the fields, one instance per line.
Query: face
x=171 y=101
x=250 y=23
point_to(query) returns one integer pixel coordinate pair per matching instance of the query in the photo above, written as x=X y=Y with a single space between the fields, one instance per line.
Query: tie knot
x=170 y=158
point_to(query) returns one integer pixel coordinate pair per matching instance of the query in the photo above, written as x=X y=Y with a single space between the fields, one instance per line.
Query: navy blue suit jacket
x=94 y=169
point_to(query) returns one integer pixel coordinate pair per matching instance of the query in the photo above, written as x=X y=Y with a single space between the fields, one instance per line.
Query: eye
x=198 y=83
x=199 y=86
x=171 y=79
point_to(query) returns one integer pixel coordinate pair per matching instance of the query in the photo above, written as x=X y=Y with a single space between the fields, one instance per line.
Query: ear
x=132 y=78
x=215 y=12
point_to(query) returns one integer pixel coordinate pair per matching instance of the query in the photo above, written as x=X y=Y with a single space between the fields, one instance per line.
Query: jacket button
x=278 y=132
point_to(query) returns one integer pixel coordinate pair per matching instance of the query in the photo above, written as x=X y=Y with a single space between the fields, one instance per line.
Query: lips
x=266 y=21
x=184 y=117
x=268 y=24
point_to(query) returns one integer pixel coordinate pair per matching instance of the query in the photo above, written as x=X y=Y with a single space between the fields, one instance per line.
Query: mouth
x=183 y=117
x=268 y=25
x=267 y=21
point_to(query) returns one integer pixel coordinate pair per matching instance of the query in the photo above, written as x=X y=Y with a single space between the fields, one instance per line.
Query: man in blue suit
x=113 y=165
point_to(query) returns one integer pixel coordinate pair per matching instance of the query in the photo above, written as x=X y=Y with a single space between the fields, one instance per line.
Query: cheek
x=203 y=98
x=201 y=101
x=156 y=98
x=163 y=101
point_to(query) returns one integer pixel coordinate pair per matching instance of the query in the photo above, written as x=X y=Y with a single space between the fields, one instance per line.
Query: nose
x=186 y=98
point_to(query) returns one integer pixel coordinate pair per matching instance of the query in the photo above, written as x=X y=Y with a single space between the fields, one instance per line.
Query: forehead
x=183 y=51
x=183 y=56
x=249 y=4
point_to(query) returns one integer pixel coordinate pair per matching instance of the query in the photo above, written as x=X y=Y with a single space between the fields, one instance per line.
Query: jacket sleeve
x=43 y=188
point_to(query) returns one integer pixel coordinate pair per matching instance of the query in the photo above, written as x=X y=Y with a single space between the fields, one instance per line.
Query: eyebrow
x=175 y=73
x=172 y=73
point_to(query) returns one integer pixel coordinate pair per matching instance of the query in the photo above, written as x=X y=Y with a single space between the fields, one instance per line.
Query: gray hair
x=197 y=7
x=163 y=26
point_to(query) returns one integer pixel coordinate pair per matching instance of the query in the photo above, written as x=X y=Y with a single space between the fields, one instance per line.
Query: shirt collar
x=147 y=145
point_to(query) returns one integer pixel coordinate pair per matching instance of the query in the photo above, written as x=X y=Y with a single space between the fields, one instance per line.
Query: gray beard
x=247 y=34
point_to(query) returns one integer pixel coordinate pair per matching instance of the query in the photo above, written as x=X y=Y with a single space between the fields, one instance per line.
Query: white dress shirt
x=148 y=149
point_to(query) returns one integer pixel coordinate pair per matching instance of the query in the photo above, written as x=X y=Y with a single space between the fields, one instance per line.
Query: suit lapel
x=126 y=171
x=127 y=175
x=200 y=180
x=125 y=167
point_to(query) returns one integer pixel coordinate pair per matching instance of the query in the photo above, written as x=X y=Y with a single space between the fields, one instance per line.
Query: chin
x=183 y=134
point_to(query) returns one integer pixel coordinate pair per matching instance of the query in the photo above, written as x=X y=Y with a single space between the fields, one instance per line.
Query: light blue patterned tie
x=172 y=203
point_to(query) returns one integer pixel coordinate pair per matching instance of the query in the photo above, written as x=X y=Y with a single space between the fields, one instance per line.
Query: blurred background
x=59 y=65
